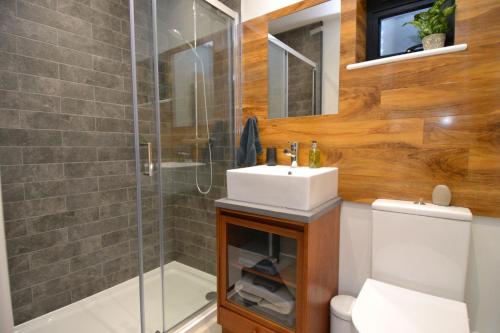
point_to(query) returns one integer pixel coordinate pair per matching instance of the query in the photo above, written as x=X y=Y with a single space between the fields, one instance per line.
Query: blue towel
x=249 y=144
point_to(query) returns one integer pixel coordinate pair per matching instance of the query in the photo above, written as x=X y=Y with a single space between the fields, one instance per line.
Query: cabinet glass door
x=262 y=273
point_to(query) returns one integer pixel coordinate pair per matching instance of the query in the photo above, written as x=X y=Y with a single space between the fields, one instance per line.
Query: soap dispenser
x=314 y=156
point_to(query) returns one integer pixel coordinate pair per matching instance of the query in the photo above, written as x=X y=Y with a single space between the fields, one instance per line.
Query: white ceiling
x=304 y=17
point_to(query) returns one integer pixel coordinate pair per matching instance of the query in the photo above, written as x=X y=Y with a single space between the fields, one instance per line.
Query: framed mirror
x=303 y=62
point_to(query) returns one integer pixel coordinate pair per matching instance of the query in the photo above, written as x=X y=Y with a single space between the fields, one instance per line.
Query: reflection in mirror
x=303 y=62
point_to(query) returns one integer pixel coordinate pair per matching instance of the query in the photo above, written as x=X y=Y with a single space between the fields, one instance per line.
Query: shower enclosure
x=117 y=124
x=191 y=99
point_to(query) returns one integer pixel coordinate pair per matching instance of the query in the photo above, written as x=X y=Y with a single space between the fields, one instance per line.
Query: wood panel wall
x=403 y=127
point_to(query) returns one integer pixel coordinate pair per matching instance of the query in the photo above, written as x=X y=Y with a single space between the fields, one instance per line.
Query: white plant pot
x=433 y=41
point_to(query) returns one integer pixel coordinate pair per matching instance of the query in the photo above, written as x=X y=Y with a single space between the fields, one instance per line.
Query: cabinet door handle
x=149 y=167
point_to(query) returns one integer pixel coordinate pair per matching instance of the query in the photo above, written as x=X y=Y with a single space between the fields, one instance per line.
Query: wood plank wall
x=403 y=127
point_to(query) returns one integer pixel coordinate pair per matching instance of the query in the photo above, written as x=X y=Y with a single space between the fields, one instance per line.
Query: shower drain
x=211 y=295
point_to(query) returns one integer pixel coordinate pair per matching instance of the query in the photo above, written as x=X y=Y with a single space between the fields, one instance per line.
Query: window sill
x=402 y=57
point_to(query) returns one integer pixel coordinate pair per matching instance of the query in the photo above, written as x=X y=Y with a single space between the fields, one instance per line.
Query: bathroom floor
x=116 y=310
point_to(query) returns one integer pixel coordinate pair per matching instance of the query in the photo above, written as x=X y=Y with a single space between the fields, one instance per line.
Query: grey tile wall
x=190 y=216
x=66 y=155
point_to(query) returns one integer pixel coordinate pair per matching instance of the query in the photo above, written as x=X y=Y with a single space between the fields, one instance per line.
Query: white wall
x=254 y=8
x=483 y=281
x=355 y=247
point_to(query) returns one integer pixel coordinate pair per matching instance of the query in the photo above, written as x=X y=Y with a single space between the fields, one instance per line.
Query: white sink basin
x=282 y=186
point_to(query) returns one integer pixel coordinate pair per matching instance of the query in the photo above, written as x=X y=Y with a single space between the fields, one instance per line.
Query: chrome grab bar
x=149 y=167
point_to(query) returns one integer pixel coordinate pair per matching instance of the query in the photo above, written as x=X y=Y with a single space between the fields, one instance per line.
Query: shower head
x=177 y=34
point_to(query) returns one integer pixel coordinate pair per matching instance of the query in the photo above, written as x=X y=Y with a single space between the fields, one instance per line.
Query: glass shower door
x=195 y=52
x=184 y=126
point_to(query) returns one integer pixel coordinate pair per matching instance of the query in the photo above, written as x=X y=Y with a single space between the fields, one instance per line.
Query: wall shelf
x=408 y=56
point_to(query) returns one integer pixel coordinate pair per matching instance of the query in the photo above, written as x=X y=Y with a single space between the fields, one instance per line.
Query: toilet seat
x=385 y=308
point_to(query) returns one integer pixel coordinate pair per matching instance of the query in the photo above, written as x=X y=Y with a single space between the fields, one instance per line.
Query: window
x=386 y=36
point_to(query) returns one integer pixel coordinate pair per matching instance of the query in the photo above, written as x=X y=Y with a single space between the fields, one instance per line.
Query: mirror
x=303 y=62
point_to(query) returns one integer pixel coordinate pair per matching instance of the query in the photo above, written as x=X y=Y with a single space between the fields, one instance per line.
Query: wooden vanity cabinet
x=295 y=260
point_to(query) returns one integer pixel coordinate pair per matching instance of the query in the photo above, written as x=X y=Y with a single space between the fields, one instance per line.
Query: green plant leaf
x=449 y=10
x=433 y=20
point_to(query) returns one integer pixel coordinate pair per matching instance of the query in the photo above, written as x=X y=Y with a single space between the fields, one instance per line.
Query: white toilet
x=419 y=264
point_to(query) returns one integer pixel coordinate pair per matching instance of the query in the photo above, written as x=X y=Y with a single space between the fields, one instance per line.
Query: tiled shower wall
x=194 y=214
x=66 y=150
x=189 y=215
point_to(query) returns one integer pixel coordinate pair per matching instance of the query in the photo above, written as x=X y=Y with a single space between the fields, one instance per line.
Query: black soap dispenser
x=271 y=156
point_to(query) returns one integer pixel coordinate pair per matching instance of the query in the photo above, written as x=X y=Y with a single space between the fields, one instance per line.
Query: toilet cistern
x=293 y=152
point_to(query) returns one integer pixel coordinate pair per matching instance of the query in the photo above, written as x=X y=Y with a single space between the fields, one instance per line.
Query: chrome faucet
x=293 y=152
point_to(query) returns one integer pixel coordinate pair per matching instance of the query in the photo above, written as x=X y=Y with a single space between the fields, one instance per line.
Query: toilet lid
x=384 y=308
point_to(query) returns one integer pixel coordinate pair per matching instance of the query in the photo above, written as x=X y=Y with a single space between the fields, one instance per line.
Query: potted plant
x=432 y=24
